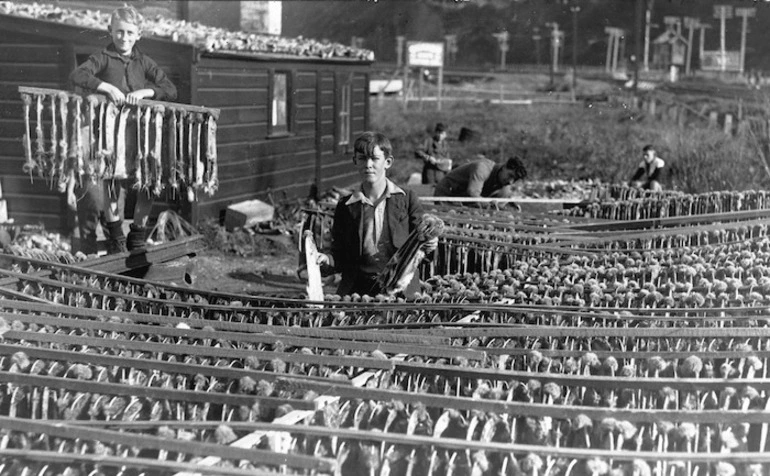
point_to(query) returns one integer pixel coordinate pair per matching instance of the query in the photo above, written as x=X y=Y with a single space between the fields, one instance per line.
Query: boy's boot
x=116 y=240
x=137 y=237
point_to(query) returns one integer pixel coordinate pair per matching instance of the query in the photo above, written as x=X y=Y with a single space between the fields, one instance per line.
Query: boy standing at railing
x=125 y=75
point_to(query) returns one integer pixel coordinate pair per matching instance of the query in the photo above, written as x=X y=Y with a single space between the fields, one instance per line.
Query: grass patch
x=575 y=141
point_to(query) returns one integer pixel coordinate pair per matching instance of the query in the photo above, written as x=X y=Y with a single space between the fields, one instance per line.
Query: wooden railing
x=76 y=137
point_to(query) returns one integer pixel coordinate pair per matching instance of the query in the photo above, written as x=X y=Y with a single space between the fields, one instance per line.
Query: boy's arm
x=415 y=210
x=84 y=75
x=162 y=87
x=424 y=152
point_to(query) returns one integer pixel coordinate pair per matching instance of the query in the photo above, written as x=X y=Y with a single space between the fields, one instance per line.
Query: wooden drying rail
x=301 y=306
x=175 y=395
x=261 y=338
x=174 y=106
x=443 y=442
x=174 y=445
x=326 y=385
x=54 y=457
x=141 y=318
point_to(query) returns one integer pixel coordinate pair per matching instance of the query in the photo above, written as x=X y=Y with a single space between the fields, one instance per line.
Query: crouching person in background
x=482 y=178
x=648 y=174
x=374 y=222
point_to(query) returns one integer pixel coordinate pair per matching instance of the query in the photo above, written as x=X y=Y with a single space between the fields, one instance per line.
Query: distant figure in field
x=482 y=178
x=435 y=155
x=648 y=173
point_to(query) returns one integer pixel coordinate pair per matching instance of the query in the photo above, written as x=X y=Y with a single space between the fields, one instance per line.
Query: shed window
x=343 y=119
x=279 y=103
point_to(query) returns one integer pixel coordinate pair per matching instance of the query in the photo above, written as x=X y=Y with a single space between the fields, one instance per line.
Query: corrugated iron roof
x=206 y=38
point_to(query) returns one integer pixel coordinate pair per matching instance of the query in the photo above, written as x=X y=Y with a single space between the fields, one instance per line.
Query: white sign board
x=716 y=61
x=430 y=55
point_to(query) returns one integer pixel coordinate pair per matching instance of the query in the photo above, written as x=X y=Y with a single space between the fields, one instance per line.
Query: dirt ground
x=270 y=269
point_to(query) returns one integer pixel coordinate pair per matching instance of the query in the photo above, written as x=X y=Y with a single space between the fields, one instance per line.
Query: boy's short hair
x=648 y=147
x=367 y=141
x=440 y=127
x=128 y=14
x=515 y=163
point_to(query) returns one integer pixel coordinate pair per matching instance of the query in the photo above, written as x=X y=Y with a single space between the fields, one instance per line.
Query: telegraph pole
x=723 y=12
x=574 y=9
x=691 y=24
x=744 y=13
x=637 y=42
x=502 y=42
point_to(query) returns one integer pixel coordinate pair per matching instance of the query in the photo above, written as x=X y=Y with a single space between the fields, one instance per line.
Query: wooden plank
x=20 y=74
x=272 y=179
x=306 y=80
x=304 y=96
x=305 y=112
x=242 y=115
x=28 y=53
x=271 y=147
x=9 y=90
x=305 y=128
x=221 y=98
x=34 y=205
x=230 y=133
x=266 y=165
x=210 y=79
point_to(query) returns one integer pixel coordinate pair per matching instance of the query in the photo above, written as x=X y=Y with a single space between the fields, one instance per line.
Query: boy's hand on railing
x=115 y=94
x=322 y=259
x=134 y=97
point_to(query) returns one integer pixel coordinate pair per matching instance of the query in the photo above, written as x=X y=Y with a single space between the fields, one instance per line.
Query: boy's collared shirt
x=372 y=228
x=127 y=73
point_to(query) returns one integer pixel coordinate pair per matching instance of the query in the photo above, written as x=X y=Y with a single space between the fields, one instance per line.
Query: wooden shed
x=286 y=125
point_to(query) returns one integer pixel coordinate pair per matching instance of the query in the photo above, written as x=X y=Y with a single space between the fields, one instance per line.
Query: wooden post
x=713 y=119
x=691 y=24
x=400 y=50
x=405 y=87
x=440 y=82
x=652 y=107
x=419 y=88
x=728 y=125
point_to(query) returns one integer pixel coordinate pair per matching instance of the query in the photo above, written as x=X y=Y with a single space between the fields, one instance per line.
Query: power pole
x=556 y=38
x=575 y=9
x=400 y=51
x=536 y=38
x=723 y=12
x=691 y=24
x=502 y=43
x=637 y=42
x=647 y=24
x=744 y=13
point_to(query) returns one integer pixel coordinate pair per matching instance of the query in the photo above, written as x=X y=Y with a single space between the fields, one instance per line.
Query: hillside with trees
x=474 y=22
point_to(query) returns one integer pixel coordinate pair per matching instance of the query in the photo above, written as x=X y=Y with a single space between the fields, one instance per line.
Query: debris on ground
x=32 y=241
